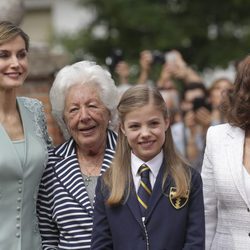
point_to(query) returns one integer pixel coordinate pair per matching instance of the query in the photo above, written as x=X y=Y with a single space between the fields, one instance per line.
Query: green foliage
x=207 y=33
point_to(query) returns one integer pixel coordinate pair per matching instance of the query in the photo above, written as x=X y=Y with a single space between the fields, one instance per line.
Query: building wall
x=68 y=17
x=38 y=24
x=42 y=21
x=39 y=89
x=45 y=19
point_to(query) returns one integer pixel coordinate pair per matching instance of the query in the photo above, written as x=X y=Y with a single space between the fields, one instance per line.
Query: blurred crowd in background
x=192 y=105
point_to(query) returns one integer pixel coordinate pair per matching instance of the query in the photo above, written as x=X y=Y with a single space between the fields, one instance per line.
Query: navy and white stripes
x=64 y=210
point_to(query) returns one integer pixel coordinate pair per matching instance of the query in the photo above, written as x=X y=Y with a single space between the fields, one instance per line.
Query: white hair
x=83 y=72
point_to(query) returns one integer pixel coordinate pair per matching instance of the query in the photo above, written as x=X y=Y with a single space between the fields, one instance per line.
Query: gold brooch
x=179 y=202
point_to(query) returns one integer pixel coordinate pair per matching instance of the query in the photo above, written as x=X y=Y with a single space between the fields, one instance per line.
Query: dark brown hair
x=237 y=103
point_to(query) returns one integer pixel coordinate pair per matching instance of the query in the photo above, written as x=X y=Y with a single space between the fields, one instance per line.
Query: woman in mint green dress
x=24 y=142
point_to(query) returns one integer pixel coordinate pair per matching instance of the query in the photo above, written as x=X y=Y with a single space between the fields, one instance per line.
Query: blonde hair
x=119 y=178
x=8 y=31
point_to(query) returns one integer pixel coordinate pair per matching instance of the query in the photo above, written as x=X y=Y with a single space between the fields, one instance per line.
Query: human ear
x=167 y=123
x=122 y=128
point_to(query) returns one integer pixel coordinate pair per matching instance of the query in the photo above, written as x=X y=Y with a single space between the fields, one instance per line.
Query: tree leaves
x=208 y=33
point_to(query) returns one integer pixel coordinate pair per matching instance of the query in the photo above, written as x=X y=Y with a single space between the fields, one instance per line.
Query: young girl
x=163 y=212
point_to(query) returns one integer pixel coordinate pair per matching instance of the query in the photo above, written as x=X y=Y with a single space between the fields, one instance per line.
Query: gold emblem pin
x=179 y=202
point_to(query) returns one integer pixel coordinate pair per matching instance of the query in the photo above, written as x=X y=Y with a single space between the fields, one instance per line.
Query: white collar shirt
x=154 y=165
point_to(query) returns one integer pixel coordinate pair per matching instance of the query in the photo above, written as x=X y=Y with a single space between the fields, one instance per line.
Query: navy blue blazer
x=168 y=225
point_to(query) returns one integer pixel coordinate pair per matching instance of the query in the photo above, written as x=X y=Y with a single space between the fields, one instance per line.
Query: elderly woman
x=84 y=100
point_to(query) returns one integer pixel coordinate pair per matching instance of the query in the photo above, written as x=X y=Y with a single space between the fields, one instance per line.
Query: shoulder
x=34 y=110
x=196 y=181
x=219 y=133
x=102 y=190
x=177 y=127
x=112 y=139
x=63 y=150
x=178 y=131
x=30 y=103
x=55 y=155
x=220 y=129
x=34 y=107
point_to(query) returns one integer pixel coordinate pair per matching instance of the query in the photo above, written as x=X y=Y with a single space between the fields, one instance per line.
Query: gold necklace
x=87 y=178
x=94 y=166
x=88 y=175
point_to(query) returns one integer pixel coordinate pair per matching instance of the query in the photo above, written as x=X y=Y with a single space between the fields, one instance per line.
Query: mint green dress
x=20 y=173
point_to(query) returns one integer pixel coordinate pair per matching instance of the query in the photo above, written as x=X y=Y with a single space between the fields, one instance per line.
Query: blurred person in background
x=84 y=99
x=226 y=170
x=24 y=143
x=167 y=87
x=217 y=92
x=172 y=100
x=174 y=75
x=179 y=69
x=189 y=133
x=145 y=62
x=122 y=71
x=165 y=80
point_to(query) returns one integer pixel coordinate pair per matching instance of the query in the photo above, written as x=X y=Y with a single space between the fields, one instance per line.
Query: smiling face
x=86 y=117
x=145 y=129
x=13 y=63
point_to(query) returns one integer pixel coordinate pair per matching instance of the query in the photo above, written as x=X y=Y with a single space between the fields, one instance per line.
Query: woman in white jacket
x=226 y=171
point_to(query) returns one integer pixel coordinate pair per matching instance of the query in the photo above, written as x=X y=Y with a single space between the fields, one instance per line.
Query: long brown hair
x=237 y=105
x=118 y=178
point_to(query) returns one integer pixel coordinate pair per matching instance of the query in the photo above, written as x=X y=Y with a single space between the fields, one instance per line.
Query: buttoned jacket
x=64 y=208
x=168 y=225
x=19 y=181
x=227 y=211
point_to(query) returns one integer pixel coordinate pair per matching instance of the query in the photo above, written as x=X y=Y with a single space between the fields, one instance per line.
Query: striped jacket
x=64 y=210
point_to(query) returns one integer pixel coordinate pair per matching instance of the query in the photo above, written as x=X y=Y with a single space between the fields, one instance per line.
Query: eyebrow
x=7 y=50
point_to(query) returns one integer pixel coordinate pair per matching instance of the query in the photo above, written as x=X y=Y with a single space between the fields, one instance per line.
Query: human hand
x=165 y=80
x=146 y=60
x=203 y=117
x=179 y=68
x=174 y=58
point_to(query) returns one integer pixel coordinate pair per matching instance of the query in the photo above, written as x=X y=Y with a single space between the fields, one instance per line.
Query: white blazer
x=227 y=209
